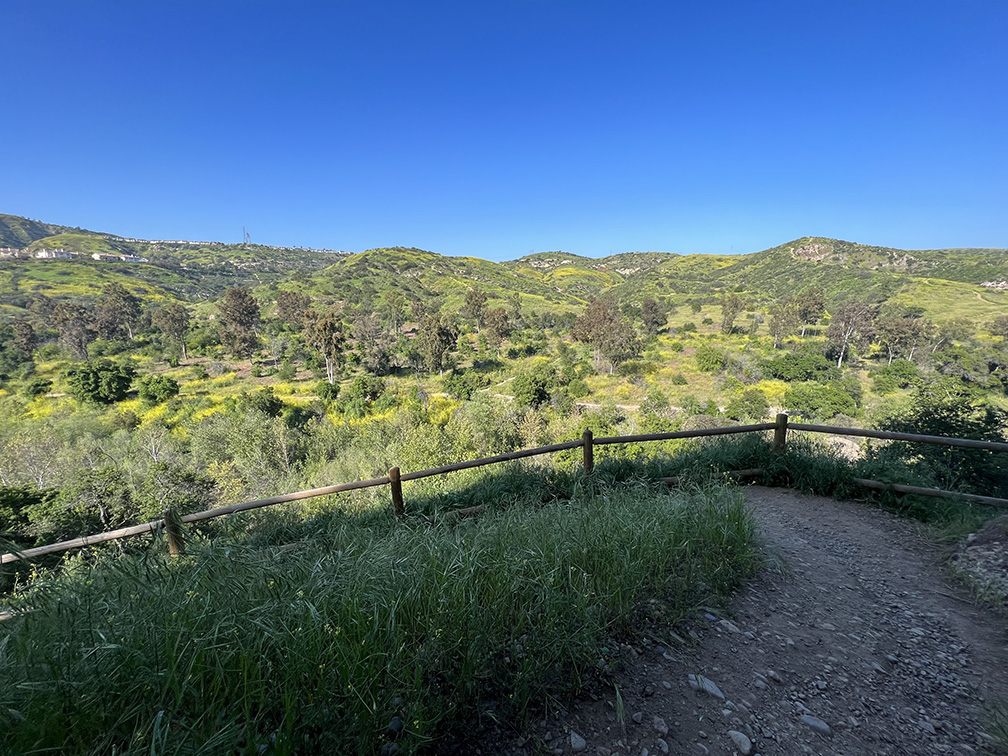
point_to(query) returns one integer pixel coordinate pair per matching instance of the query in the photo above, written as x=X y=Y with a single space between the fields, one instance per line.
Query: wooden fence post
x=588 y=451
x=173 y=529
x=395 y=483
x=780 y=432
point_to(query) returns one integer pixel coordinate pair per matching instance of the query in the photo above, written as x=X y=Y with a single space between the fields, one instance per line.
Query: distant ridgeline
x=933 y=279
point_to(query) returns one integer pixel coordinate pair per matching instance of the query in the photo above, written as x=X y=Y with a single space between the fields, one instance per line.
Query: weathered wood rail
x=171 y=524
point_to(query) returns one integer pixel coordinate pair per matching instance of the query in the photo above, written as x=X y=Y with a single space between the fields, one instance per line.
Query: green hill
x=944 y=281
x=19 y=232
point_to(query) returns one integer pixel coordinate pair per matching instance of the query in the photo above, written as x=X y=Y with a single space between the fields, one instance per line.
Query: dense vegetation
x=216 y=374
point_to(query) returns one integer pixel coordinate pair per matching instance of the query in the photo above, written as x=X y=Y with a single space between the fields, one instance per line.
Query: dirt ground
x=854 y=641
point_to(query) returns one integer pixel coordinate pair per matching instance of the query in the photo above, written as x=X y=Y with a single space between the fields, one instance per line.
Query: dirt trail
x=859 y=645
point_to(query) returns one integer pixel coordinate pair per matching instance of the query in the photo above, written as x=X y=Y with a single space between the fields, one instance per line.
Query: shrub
x=688 y=327
x=707 y=321
x=675 y=346
x=533 y=387
x=577 y=388
x=678 y=379
x=287 y=371
x=327 y=392
x=36 y=387
x=820 y=400
x=463 y=384
x=158 y=388
x=261 y=401
x=709 y=359
x=751 y=403
x=801 y=367
x=365 y=388
x=103 y=382
x=899 y=374
x=655 y=403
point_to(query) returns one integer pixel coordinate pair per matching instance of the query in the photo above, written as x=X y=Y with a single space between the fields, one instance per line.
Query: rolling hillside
x=946 y=282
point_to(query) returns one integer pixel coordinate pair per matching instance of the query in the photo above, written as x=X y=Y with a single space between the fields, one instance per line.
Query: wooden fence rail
x=171 y=524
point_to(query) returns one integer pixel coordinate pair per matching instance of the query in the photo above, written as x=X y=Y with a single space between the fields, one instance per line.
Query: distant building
x=10 y=252
x=53 y=254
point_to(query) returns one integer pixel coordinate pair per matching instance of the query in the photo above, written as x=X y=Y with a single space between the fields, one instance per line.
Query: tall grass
x=245 y=647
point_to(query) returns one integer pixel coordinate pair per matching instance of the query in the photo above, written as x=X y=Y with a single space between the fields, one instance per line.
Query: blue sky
x=499 y=128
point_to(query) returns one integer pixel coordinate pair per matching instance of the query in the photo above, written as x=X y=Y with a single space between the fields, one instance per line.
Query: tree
x=241 y=319
x=901 y=333
x=116 y=312
x=436 y=335
x=475 y=306
x=653 y=315
x=373 y=343
x=157 y=389
x=958 y=329
x=533 y=387
x=324 y=333
x=854 y=322
x=999 y=327
x=604 y=327
x=24 y=336
x=292 y=306
x=393 y=309
x=173 y=321
x=731 y=305
x=74 y=325
x=619 y=343
x=104 y=382
x=811 y=305
x=498 y=327
x=784 y=320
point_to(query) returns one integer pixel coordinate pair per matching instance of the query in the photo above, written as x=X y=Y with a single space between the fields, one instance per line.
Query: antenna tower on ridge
x=246 y=239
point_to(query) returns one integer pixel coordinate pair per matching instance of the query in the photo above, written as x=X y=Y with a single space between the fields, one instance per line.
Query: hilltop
x=547 y=280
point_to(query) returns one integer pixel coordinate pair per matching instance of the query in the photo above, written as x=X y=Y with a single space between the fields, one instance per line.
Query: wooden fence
x=171 y=524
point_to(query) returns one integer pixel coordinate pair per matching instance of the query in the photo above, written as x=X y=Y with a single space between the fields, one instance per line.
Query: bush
x=899 y=374
x=707 y=321
x=261 y=401
x=463 y=384
x=820 y=400
x=533 y=388
x=801 y=367
x=709 y=359
x=655 y=403
x=365 y=388
x=688 y=327
x=751 y=403
x=577 y=388
x=287 y=371
x=157 y=389
x=36 y=387
x=327 y=392
x=678 y=379
x=103 y=382
x=676 y=346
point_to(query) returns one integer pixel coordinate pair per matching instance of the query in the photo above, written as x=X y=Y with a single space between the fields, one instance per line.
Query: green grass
x=240 y=644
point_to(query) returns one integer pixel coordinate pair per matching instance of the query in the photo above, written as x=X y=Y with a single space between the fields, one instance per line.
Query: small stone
x=709 y=616
x=820 y=684
x=816 y=724
x=578 y=743
x=649 y=690
x=666 y=684
x=644 y=752
x=702 y=734
x=760 y=684
x=728 y=625
x=774 y=676
x=638 y=717
x=927 y=727
x=702 y=747
x=891 y=659
x=742 y=742
x=725 y=712
x=878 y=668
x=828 y=626
x=701 y=683
x=662 y=746
x=389 y=749
x=660 y=726
x=395 y=726
x=748 y=634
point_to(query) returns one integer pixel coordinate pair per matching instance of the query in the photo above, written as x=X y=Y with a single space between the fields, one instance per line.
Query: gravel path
x=859 y=645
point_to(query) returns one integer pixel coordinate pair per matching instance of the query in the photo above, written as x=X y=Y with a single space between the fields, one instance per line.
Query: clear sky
x=499 y=128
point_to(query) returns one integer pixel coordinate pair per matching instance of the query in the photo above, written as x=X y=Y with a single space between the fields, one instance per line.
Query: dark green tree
x=103 y=382
x=173 y=321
